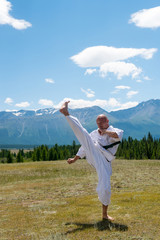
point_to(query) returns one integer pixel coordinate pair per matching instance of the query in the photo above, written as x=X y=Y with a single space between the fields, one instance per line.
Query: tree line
x=146 y=148
x=40 y=153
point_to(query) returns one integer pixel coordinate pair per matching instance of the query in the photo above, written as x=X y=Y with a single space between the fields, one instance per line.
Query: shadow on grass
x=100 y=226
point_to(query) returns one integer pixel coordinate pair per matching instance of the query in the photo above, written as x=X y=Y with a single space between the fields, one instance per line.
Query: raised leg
x=93 y=155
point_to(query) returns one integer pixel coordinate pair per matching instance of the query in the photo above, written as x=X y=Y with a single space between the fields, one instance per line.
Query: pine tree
x=19 y=157
x=74 y=147
x=34 y=157
x=56 y=157
x=38 y=154
x=51 y=154
x=9 y=157
x=44 y=154
x=61 y=155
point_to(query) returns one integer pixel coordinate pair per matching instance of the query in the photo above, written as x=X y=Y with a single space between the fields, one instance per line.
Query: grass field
x=54 y=200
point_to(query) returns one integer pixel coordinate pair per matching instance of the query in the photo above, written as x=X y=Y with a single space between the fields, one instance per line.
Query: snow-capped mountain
x=49 y=126
x=28 y=113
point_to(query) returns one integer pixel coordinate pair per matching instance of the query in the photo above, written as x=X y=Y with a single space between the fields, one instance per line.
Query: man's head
x=102 y=121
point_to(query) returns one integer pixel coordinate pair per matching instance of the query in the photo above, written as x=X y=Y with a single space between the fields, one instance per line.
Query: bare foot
x=64 y=109
x=107 y=217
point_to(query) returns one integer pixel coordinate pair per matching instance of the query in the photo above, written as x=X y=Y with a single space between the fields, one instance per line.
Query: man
x=94 y=146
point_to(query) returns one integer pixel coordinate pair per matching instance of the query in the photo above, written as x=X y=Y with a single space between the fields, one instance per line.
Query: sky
x=91 y=52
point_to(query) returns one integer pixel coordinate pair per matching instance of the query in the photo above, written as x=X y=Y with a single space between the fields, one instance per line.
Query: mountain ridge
x=49 y=126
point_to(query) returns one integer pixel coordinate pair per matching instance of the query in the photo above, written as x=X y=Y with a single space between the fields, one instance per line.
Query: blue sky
x=94 y=52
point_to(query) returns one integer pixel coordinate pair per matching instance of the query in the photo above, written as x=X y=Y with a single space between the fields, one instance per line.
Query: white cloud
x=6 y=18
x=110 y=105
x=49 y=80
x=80 y=103
x=46 y=102
x=23 y=104
x=122 y=87
x=139 y=81
x=126 y=105
x=8 y=101
x=89 y=93
x=98 y=55
x=147 y=78
x=120 y=69
x=111 y=60
x=146 y=18
x=90 y=71
x=131 y=93
x=112 y=102
x=118 y=88
x=8 y=110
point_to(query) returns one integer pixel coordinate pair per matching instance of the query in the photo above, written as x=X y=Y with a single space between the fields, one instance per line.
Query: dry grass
x=54 y=200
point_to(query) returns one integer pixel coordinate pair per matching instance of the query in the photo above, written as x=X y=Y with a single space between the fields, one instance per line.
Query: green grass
x=54 y=200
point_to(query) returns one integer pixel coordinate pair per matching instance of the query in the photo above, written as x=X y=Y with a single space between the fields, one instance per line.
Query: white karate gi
x=96 y=155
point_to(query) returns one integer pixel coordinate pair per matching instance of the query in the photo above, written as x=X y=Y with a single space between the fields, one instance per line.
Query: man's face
x=102 y=122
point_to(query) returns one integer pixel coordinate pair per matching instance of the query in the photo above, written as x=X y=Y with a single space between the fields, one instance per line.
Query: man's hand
x=109 y=133
x=72 y=160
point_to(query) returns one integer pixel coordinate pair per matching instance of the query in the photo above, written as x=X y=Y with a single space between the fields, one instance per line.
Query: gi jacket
x=103 y=140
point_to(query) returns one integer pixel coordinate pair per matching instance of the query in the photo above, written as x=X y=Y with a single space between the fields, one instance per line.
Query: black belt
x=111 y=145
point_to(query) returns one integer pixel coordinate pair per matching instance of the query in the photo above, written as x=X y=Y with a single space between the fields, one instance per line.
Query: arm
x=72 y=160
x=80 y=154
x=109 y=133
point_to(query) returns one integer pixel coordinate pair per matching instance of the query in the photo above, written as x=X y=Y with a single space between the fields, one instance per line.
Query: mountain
x=146 y=111
x=49 y=126
x=140 y=120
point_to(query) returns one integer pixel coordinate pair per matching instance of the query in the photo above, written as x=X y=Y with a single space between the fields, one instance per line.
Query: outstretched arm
x=72 y=160
x=80 y=154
